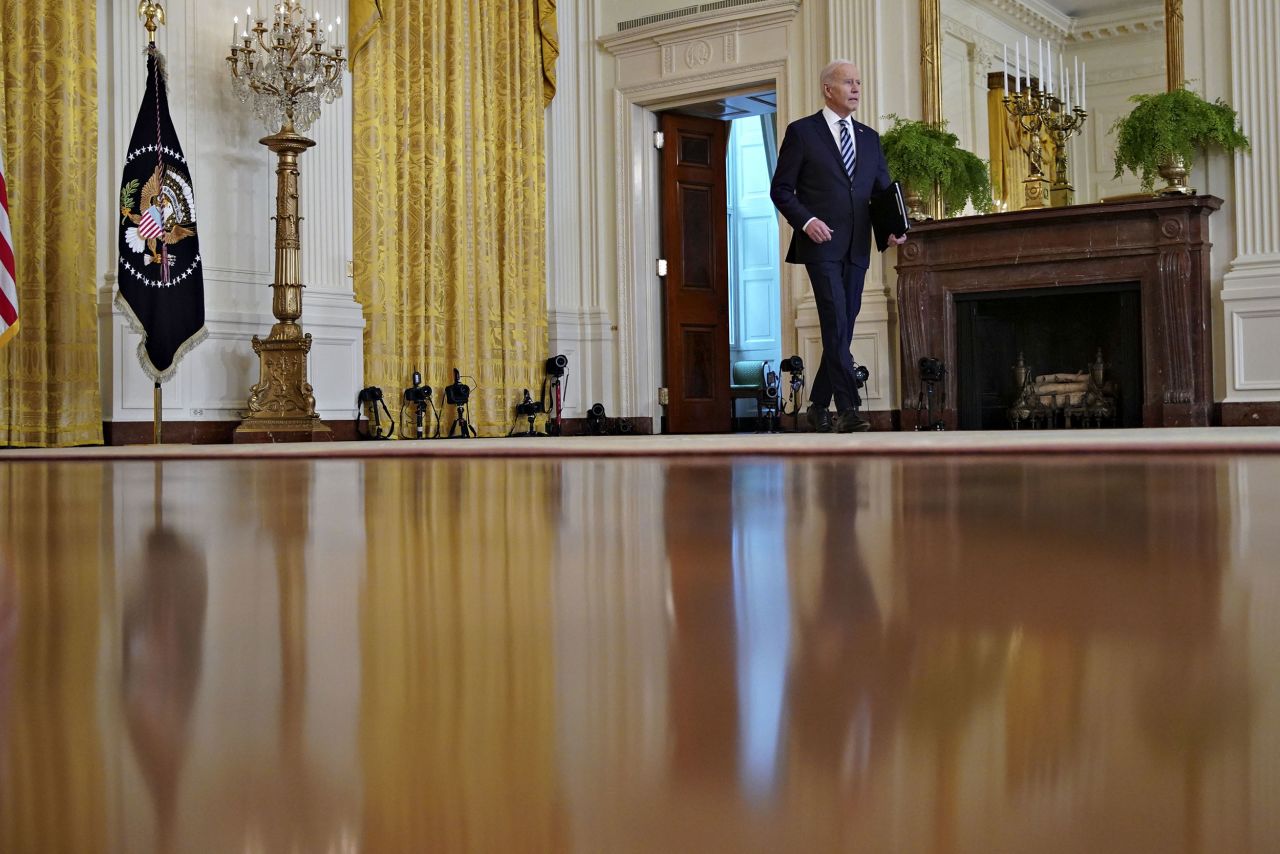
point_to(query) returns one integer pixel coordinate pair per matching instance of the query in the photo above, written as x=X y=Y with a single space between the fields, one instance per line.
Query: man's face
x=843 y=93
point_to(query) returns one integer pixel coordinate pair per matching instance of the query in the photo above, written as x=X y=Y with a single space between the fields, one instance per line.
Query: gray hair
x=829 y=72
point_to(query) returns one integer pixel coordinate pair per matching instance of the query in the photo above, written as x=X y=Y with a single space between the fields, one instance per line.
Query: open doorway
x=725 y=307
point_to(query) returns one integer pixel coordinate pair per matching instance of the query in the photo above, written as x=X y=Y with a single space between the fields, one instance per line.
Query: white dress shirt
x=833 y=122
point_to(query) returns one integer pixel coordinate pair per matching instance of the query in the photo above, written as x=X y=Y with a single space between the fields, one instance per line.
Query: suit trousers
x=837 y=290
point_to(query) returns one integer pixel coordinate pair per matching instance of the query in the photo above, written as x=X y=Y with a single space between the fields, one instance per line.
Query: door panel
x=696 y=290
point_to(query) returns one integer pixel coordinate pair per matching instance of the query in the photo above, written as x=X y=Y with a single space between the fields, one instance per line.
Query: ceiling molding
x=1036 y=17
x=1111 y=25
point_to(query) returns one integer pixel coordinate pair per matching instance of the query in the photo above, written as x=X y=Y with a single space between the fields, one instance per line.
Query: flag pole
x=154 y=13
x=157 y=402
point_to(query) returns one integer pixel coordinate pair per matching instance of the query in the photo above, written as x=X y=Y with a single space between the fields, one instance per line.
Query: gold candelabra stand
x=1038 y=112
x=1063 y=122
x=1028 y=108
x=281 y=68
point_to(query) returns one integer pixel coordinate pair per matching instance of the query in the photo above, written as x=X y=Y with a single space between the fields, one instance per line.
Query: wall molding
x=644 y=84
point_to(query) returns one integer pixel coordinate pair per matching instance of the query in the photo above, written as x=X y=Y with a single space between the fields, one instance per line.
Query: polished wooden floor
x=876 y=654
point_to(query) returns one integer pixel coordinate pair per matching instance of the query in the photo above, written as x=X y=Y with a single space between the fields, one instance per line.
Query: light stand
x=932 y=372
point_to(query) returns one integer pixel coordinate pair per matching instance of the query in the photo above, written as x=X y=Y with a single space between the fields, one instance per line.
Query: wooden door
x=696 y=288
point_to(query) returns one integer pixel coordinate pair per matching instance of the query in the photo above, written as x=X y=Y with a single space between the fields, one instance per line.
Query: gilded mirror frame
x=931 y=54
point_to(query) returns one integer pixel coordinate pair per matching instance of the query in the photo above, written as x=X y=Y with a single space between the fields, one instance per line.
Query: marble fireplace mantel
x=1160 y=243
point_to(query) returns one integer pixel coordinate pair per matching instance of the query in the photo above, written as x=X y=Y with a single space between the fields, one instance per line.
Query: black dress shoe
x=819 y=419
x=850 y=421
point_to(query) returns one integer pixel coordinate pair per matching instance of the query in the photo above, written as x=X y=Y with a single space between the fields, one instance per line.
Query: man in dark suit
x=829 y=166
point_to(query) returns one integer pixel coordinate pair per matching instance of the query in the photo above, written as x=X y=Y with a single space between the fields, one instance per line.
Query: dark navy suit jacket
x=810 y=181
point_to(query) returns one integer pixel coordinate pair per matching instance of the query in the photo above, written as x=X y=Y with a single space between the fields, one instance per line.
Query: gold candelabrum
x=1038 y=112
x=282 y=69
x=1062 y=122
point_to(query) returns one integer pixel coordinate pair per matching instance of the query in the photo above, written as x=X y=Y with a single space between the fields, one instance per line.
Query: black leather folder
x=889 y=215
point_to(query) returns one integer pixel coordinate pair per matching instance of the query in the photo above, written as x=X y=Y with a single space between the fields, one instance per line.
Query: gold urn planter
x=1175 y=171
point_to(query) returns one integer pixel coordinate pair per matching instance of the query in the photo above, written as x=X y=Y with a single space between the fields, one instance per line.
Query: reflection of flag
x=160 y=277
x=8 y=268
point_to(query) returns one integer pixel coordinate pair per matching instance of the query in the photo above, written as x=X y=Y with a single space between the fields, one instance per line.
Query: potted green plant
x=1163 y=133
x=926 y=158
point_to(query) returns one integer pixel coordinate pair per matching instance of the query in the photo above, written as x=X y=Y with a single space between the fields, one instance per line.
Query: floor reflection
x=837 y=654
x=162 y=640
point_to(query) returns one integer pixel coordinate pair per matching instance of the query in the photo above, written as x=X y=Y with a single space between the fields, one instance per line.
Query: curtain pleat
x=49 y=383
x=550 y=48
x=450 y=200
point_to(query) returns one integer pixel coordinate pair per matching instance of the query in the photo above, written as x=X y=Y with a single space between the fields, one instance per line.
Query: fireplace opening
x=1055 y=331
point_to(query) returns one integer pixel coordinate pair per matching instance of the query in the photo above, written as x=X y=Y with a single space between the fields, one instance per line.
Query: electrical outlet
x=664 y=396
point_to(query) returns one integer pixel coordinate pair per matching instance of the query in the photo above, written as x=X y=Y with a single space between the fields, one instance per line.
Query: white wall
x=234 y=181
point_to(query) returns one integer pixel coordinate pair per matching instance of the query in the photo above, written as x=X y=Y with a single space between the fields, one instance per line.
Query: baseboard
x=195 y=432
x=578 y=426
x=1259 y=414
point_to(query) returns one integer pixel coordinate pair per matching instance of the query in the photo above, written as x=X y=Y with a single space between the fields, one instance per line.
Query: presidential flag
x=8 y=267
x=160 y=277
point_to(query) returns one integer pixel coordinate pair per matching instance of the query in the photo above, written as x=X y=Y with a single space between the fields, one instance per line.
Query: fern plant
x=1169 y=125
x=922 y=155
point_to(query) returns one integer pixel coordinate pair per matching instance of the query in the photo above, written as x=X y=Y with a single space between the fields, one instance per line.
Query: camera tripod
x=553 y=421
x=461 y=428
x=532 y=431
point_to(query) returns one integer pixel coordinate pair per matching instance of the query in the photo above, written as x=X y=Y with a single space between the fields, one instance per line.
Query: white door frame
x=659 y=67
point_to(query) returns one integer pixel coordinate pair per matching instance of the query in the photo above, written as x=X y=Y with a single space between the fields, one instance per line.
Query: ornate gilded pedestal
x=280 y=66
x=282 y=405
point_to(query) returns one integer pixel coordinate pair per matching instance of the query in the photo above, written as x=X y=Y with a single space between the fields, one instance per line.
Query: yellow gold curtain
x=450 y=199
x=549 y=32
x=53 y=580
x=365 y=17
x=49 y=386
x=457 y=716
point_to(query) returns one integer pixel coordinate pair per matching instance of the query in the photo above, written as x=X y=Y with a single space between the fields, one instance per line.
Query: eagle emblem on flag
x=169 y=217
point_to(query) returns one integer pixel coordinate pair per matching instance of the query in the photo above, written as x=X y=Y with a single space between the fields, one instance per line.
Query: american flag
x=151 y=223
x=8 y=269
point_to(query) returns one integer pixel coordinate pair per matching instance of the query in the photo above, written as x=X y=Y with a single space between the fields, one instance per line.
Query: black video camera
x=529 y=407
x=771 y=384
x=595 y=419
x=457 y=393
x=792 y=365
x=860 y=375
x=556 y=366
x=418 y=393
x=371 y=396
x=932 y=370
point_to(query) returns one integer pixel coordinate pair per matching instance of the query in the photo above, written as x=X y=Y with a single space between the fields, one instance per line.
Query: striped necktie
x=846 y=148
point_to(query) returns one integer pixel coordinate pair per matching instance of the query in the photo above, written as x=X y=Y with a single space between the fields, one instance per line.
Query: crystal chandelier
x=281 y=67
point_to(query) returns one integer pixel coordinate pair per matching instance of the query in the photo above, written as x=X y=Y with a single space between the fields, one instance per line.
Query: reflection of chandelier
x=281 y=67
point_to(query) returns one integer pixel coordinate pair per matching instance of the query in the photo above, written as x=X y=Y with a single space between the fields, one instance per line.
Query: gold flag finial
x=153 y=12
